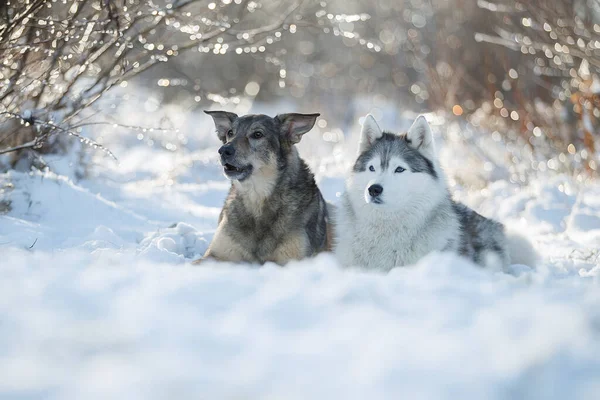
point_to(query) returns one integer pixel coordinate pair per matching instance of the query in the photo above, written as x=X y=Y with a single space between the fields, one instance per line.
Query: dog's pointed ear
x=420 y=137
x=223 y=121
x=294 y=125
x=369 y=134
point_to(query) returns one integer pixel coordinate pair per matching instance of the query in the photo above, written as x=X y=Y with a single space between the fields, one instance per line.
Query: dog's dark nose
x=227 y=150
x=375 y=190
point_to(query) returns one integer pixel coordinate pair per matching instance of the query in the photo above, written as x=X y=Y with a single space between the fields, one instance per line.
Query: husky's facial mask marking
x=388 y=164
x=253 y=142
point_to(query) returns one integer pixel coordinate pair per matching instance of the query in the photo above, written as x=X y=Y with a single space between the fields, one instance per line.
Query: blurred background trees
x=523 y=75
x=59 y=58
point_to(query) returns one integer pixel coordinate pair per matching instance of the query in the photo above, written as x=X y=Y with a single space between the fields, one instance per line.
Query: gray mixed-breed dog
x=395 y=210
x=274 y=210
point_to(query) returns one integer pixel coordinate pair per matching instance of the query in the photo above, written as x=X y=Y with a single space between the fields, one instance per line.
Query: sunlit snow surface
x=98 y=299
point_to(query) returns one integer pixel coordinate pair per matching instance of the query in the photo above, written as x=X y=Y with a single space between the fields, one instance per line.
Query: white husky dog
x=397 y=208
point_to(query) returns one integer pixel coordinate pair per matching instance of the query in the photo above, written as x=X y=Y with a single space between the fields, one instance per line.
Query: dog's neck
x=259 y=186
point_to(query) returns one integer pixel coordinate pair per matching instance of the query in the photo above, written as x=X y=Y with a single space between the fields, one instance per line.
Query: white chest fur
x=383 y=241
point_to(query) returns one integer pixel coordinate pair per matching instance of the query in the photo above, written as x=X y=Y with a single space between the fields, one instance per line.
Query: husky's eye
x=399 y=169
x=229 y=133
x=371 y=168
x=257 y=135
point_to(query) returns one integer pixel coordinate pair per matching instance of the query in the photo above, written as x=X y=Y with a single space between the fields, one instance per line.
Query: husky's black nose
x=375 y=190
x=227 y=150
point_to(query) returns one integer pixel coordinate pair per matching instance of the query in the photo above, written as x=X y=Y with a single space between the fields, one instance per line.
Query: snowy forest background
x=524 y=73
x=110 y=186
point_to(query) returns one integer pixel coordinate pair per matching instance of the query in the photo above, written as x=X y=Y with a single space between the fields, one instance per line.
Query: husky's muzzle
x=233 y=169
x=373 y=194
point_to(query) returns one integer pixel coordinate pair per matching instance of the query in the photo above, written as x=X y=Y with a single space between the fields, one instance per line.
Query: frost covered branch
x=47 y=129
x=60 y=58
x=558 y=47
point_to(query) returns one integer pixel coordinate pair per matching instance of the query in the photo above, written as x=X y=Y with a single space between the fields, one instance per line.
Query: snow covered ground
x=98 y=299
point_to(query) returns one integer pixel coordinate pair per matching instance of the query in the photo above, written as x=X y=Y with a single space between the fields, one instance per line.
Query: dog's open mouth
x=236 y=172
x=232 y=168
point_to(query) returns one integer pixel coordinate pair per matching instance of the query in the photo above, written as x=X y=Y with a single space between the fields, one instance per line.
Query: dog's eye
x=371 y=168
x=257 y=135
x=399 y=169
x=229 y=133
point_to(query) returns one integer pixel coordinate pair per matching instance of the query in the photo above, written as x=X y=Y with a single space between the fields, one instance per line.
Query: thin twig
x=38 y=141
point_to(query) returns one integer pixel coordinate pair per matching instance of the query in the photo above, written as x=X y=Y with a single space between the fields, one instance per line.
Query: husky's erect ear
x=223 y=121
x=294 y=125
x=369 y=134
x=419 y=137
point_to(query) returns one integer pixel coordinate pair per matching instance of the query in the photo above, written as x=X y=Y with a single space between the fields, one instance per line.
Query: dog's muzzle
x=373 y=194
x=231 y=167
x=227 y=151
